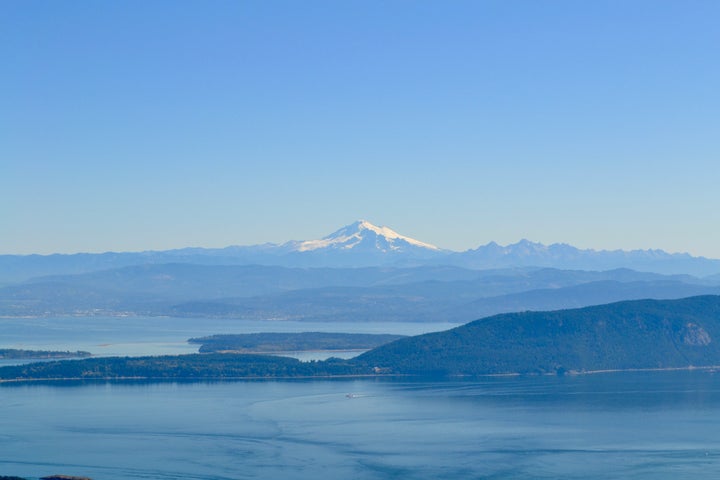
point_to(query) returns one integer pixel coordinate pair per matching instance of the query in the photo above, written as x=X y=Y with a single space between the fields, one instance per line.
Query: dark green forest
x=645 y=334
x=194 y=366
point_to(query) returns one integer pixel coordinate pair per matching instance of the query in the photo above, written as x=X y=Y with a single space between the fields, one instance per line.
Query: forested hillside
x=625 y=335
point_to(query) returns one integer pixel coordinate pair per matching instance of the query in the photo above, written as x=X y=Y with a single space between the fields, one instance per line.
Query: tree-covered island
x=19 y=354
x=291 y=342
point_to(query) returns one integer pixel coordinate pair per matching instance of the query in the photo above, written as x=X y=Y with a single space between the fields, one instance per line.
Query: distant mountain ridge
x=393 y=294
x=564 y=256
x=363 y=244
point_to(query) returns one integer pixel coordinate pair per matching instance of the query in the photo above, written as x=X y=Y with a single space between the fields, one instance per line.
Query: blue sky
x=143 y=125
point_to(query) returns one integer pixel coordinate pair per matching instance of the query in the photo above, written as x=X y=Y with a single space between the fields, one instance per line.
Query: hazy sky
x=137 y=125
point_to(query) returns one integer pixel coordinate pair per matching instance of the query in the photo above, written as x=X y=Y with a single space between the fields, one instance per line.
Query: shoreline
x=17 y=381
x=659 y=369
x=194 y=379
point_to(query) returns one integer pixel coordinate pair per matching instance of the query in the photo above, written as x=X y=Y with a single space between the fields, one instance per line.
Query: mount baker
x=363 y=244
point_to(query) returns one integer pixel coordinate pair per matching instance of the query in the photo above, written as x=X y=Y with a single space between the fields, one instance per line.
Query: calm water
x=641 y=426
x=133 y=336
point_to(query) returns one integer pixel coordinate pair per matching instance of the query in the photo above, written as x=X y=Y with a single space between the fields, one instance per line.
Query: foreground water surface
x=633 y=425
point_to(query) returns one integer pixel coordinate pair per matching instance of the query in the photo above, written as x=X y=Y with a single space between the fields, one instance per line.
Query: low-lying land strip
x=19 y=354
x=291 y=342
x=194 y=366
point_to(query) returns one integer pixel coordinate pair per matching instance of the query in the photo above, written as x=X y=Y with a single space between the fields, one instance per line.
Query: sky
x=136 y=125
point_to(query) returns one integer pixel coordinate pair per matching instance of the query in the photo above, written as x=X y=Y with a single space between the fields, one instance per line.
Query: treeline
x=13 y=353
x=194 y=366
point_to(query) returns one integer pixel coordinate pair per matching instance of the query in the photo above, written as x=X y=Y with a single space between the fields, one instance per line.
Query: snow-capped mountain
x=363 y=235
x=362 y=244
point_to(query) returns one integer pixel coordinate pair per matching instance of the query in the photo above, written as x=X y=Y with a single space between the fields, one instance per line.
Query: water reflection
x=634 y=425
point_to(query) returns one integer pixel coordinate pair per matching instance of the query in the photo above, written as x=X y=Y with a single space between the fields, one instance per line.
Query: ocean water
x=662 y=425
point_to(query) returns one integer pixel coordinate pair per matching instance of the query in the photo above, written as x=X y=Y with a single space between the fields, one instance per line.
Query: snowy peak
x=363 y=235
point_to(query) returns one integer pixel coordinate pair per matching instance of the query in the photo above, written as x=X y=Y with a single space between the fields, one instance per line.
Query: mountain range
x=362 y=244
x=399 y=294
x=361 y=272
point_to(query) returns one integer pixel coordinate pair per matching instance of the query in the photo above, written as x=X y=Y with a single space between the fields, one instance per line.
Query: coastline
x=708 y=368
x=155 y=379
x=6 y=381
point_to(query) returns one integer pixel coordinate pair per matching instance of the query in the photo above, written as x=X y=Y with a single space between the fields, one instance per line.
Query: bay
x=660 y=425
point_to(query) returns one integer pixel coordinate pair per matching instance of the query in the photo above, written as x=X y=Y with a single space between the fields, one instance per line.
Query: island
x=19 y=354
x=291 y=342
x=629 y=335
